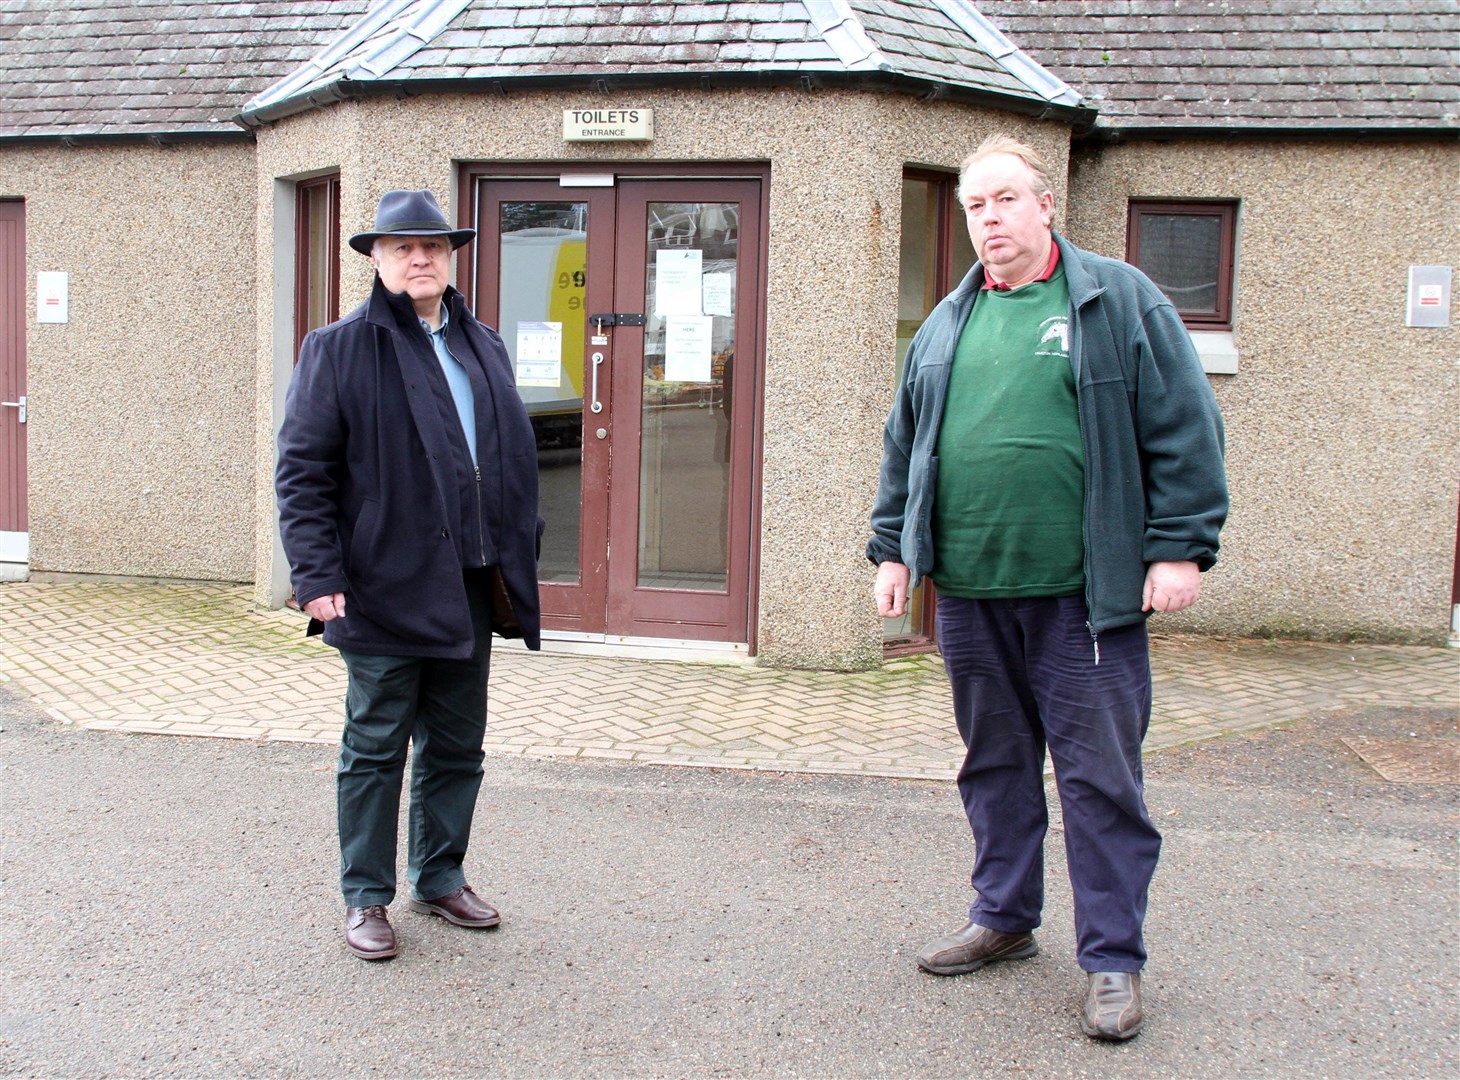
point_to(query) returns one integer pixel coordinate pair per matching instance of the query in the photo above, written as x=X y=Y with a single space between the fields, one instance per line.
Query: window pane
x=1182 y=253
x=689 y=357
x=918 y=260
x=317 y=292
x=963 y=256
x=544 y=264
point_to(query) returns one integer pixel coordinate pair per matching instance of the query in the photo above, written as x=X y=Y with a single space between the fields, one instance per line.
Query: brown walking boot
x=972 y=947
x=1113 y=1006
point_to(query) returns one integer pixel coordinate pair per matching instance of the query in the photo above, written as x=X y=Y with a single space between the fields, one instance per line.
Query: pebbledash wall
x=1343 y=452
x=141 y=428
x=836 y=160
x=153 y=409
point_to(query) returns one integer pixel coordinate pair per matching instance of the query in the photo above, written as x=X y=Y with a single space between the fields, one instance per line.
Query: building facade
x=706 y=315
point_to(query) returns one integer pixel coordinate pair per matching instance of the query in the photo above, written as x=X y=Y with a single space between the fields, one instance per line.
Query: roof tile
x=97 y=66
x=1289 y=63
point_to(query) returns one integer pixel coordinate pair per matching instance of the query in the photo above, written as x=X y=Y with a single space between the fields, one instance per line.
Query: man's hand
x=1171 y=586
x=890 y=589
x=325 y=608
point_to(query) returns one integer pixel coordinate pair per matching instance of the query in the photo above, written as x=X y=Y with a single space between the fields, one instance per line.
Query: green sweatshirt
x=1155 y=489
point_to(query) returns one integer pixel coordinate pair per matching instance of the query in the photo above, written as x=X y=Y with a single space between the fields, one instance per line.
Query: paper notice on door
x=687 y=348
x=719 y=292
x=677 y=282
x=539 y=354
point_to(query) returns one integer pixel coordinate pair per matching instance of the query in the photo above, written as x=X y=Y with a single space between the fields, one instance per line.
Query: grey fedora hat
x=410 y=213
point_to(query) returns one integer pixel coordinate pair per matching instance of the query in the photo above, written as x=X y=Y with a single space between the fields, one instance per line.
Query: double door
x=631 y=312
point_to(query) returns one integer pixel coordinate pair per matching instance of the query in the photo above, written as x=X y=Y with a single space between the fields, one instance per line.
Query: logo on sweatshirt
x=1054 y=337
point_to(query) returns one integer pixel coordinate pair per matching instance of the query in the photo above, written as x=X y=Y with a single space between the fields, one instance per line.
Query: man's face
x=419 y=266
x=1008 y=224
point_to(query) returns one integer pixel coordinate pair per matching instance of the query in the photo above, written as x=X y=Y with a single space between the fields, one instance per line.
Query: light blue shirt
x=458 y=380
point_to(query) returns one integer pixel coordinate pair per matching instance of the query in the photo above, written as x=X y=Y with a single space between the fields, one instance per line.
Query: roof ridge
x=841 y=29
x=1007 y=55
x=378 y=43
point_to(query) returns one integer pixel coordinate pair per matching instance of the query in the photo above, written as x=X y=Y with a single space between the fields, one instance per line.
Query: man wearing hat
x=407 y=492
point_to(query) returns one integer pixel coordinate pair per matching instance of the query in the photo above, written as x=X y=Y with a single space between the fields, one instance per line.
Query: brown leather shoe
x=462 y=907
x=972 y=947
x=1113 y=1005
x=368 y=934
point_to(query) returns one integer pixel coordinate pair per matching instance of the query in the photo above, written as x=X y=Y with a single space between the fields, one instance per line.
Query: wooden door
x=632 y=315
x=14 y=519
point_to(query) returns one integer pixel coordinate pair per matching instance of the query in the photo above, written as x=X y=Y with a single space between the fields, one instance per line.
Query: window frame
x=304 y=270
x=1225 y=210
x=948 y=217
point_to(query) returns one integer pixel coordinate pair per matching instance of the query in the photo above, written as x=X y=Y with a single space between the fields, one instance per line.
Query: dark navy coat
x=367 y=489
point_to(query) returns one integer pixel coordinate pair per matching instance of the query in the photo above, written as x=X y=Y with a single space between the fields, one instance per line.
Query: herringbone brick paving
x=200 y=660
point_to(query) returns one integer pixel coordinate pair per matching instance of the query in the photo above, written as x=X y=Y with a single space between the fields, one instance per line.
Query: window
x=317 y=255
x=1187 y=249
x=934 y=255
x=935 y=251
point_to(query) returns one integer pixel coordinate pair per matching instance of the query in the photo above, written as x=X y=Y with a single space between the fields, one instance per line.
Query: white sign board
x=52 y=296
x=1429 y=296
x=687 y=348
x=608 y=125
x=539 y=353
x=677 y=288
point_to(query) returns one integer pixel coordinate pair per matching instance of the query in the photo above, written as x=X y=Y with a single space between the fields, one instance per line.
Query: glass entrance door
x=630 y=314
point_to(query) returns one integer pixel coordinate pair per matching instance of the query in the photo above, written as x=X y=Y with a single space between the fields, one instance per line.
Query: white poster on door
x=719 y=290
x=539 y=354
x=687 y=348
x=677 y=282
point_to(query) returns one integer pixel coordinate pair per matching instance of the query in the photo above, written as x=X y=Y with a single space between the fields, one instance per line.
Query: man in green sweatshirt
x=1053 y=462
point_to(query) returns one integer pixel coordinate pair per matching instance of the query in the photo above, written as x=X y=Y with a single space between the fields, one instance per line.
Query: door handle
x=17 y=405
x=596 y=406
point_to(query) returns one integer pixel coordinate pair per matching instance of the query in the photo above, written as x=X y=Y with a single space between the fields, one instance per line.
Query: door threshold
x=561 y=642
x=14 y=571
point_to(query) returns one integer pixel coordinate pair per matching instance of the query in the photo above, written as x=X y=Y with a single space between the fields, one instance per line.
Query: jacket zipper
x=481 y=525
x=1075 y=366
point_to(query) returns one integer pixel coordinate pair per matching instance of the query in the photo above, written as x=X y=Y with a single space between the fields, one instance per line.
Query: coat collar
x=1082 y=286
x=395 y=311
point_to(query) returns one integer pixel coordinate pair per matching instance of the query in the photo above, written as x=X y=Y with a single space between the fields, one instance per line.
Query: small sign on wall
x=608 y=125
x=1429 y=296
x=52 y=299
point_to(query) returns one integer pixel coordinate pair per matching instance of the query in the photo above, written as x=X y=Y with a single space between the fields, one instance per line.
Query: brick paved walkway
x=199 y=660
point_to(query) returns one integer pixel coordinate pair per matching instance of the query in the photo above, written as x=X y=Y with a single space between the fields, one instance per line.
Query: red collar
x=1054 y=258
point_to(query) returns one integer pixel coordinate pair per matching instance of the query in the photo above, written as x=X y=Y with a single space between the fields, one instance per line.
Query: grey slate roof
x=153 y=68
x=175 y=68
x=941 y=46
x=87 y=68
x=1249 y=64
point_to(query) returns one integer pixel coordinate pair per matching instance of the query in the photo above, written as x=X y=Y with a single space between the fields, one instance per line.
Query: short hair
x=1006 y=144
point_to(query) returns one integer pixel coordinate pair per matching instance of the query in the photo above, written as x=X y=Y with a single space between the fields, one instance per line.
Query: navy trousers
x=1027 y=675
x=440 y=706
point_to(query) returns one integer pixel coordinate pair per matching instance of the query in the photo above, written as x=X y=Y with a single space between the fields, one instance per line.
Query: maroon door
x=632 y=315
x=14 y=522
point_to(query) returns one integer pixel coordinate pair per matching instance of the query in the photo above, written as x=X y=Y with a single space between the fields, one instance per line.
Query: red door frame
x=476 y=279
x=14 y=511
x=577 y=608
x=1455 y=578
x=688 y=614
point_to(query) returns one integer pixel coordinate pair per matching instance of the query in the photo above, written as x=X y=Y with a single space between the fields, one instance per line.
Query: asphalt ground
x=172 y=910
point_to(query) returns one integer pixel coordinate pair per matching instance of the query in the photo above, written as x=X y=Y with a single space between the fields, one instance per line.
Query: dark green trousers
x=440 y=708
